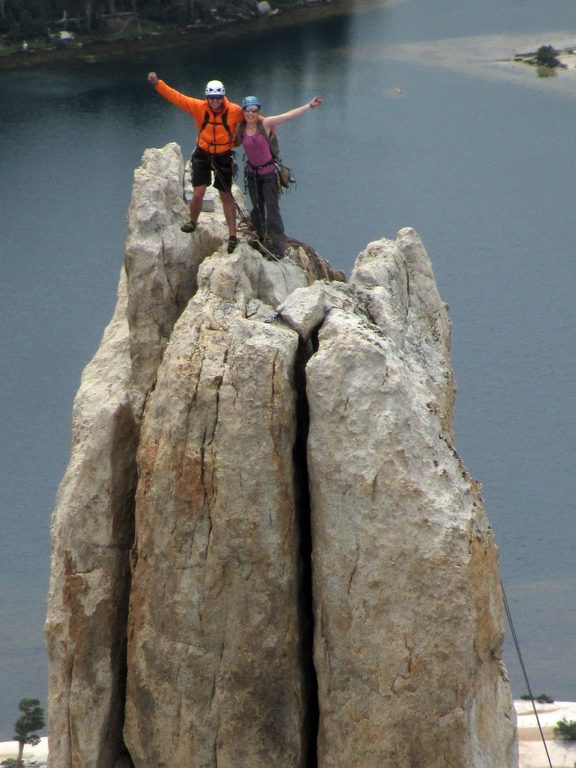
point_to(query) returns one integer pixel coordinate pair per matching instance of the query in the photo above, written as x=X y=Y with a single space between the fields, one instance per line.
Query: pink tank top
x=258 y=152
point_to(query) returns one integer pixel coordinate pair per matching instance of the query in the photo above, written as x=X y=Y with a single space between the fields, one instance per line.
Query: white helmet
x=215 y=88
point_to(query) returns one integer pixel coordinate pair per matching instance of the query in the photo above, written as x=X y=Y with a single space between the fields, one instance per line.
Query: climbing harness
x=284 y=176
x=521 y=660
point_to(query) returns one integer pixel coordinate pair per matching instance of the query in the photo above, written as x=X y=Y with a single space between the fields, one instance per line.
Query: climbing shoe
x=188 y=227
x=257 y=245
x=232 y=243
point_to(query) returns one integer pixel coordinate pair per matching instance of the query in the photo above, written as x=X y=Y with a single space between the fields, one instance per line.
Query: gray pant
x=265 y=213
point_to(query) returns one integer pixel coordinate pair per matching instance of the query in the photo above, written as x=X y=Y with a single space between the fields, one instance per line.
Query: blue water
x=479 y=160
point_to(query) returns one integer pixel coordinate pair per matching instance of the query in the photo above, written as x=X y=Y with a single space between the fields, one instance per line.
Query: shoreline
x=170 y=38
x=132 y=44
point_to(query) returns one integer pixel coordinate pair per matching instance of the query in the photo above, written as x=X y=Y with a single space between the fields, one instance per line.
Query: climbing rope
x=523 y=667
x=242 y=214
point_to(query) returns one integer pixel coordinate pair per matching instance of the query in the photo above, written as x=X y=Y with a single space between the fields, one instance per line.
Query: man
x=216 y=119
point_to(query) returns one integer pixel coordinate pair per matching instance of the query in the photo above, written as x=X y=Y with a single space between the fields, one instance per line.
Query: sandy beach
x=36 y=756
x=532 y=753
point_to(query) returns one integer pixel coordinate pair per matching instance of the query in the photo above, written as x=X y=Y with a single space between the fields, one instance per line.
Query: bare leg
x=196 y=203
x=229 y=208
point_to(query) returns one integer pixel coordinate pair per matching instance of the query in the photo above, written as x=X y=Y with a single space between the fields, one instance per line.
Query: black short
x=204 y=164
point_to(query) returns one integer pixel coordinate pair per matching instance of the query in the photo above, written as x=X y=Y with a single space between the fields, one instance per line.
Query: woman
x=254 y=136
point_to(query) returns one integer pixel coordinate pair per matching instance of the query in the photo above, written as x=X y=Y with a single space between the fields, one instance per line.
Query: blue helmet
x=250 y=101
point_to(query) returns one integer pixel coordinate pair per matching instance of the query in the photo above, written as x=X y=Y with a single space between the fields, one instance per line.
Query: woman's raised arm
x=272 y=120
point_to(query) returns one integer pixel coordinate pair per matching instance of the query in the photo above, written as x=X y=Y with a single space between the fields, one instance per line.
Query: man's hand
x=316 y=101
x=153 y=78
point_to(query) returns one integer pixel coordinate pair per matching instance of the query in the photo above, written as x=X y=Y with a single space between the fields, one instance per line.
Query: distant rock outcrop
x=266 y=551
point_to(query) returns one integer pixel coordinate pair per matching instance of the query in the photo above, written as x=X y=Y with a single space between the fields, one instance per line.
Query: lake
x=425 y=123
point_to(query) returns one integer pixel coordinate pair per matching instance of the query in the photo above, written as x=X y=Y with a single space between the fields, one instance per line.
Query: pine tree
x=31 y=720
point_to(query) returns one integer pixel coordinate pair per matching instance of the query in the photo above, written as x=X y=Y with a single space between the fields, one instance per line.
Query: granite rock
x=266 y=550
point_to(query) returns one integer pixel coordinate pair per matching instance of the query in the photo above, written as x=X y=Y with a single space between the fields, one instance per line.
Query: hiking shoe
x=232 y=243
x=189 y=227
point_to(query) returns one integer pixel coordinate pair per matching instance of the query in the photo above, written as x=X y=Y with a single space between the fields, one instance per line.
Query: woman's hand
x=316 y=101
x=153 y=78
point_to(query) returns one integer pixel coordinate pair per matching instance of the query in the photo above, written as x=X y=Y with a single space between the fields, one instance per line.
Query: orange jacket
x=212 y=134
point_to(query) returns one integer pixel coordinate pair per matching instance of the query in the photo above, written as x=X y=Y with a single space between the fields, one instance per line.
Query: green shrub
x=542 y=698
x=547 y=56
x=565 y=729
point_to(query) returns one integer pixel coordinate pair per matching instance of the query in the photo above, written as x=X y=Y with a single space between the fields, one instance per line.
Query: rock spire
x=266 y=552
